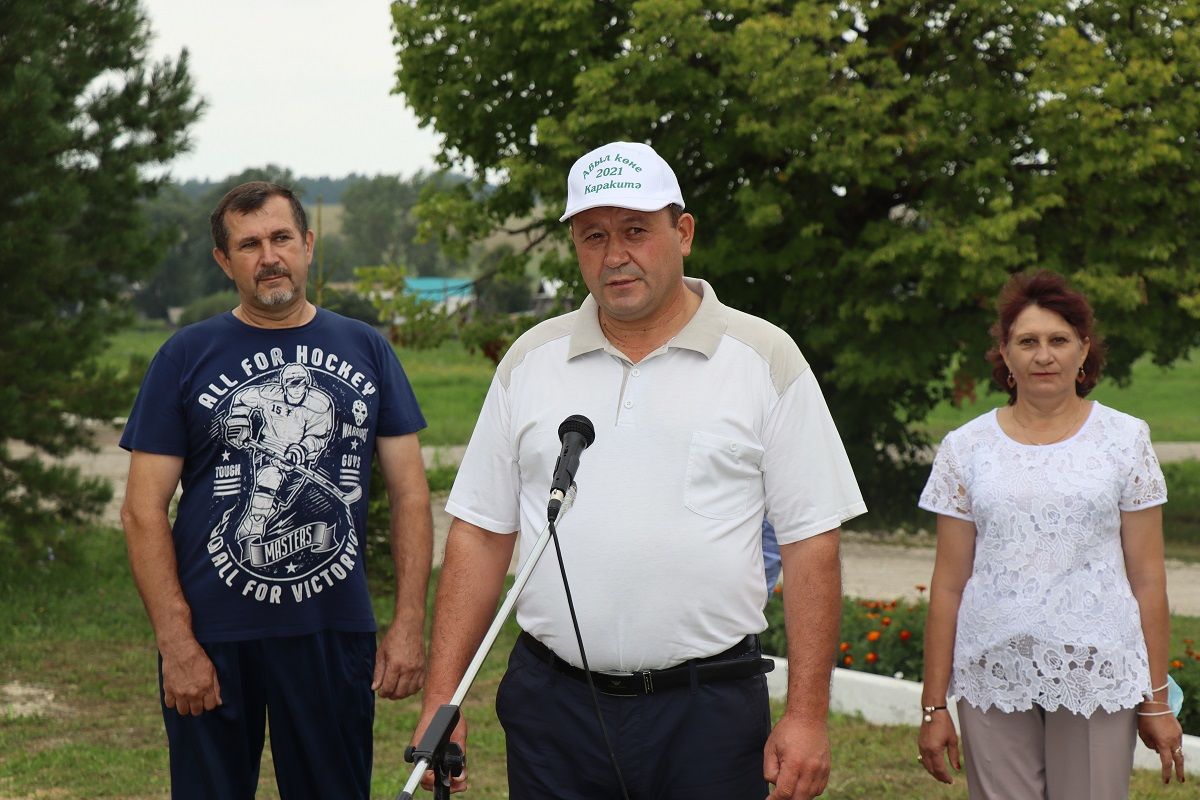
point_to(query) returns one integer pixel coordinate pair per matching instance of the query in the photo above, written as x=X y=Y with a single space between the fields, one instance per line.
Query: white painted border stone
x=891 y=701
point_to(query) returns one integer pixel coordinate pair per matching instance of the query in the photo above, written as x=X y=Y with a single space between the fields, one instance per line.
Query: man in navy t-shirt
x=269 y=416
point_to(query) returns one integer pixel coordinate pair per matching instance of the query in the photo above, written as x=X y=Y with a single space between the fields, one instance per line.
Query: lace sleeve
x=946 y=491
x=1145 y=485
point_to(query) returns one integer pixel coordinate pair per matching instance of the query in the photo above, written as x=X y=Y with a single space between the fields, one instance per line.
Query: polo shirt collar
x=702 y=333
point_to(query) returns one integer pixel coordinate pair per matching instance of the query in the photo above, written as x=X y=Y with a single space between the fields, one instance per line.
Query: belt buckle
x=611 y=685
x=647 y=682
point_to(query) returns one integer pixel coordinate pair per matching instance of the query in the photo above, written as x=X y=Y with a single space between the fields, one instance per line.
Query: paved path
x=871 y=567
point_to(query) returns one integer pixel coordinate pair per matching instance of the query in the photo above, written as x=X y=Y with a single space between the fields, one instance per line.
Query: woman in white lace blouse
x=1048 y=611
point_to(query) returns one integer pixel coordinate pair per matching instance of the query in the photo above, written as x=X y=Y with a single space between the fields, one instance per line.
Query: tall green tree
x=865 y=175
x=379 y=227
x=86 y=112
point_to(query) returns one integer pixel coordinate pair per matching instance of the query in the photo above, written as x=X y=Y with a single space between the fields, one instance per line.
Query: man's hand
x=399 y=663
x=190 y=683
x=796 y=758
x=237 y=430
x=458 y=735
x=296 y=454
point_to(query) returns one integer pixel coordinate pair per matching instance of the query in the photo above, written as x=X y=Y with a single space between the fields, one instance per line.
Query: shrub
x=1181 y=514
x=378 y=542
x=350 y=304
x=883 y=637
x=1186 y=672
x=208 y=306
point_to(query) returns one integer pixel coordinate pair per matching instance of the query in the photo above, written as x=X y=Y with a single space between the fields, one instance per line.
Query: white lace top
x=1047 y=616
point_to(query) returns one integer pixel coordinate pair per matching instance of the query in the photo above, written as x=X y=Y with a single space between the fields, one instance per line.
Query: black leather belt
x=743 y=660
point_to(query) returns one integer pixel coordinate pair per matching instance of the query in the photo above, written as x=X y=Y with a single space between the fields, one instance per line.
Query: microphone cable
x=612 y=756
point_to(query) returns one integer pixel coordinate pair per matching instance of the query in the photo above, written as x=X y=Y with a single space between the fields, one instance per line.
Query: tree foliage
x=379 y=227
x=865 y=175
x=86 y=112
x=411 y=320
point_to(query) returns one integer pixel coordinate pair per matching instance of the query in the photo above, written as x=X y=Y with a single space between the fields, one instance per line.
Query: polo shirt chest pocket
x=721 y=473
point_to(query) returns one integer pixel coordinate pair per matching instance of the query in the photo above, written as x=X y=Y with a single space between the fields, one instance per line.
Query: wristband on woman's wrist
x=927 y=712
x=1150 y=694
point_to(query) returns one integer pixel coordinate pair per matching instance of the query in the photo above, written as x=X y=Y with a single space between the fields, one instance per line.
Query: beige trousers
x=1047 y=755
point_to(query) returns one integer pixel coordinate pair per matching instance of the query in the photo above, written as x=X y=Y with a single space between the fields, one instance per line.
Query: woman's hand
x=1162 y=733
x=938 y=740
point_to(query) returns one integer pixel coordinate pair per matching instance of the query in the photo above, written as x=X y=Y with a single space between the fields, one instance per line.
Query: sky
x=305 y=84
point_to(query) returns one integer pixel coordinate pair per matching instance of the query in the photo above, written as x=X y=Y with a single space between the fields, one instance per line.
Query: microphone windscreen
x=577 y=423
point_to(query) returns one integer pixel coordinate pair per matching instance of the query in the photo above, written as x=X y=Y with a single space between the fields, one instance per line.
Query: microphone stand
x=435 y=750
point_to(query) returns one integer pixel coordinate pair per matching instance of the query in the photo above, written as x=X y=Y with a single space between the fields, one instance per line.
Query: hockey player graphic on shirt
x=285 y=426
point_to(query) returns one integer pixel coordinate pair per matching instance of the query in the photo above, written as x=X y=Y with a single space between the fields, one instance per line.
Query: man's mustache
x=271 y=272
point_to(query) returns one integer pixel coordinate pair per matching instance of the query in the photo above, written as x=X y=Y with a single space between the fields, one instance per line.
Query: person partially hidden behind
x=270 y=415
x=706 y=419
x=1048 y=608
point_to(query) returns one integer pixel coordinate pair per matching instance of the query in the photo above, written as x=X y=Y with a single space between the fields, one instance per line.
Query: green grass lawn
x=76 y=627
x=1166 y=397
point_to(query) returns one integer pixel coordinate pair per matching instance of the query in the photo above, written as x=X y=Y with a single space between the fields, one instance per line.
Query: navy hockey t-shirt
x=277 y=429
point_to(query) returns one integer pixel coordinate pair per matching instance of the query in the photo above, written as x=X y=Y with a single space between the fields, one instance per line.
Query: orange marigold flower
x=872 y=615
x=1176 y=664
x=872 y=658
x=848 y=660
x=905 y=635
x=921 y=588
x=873 y=636
x=844 y=646
x=778 y=588
x=886 y=620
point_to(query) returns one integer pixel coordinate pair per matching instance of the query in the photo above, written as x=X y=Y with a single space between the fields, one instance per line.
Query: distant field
x=1167 y=398
x=331 y=218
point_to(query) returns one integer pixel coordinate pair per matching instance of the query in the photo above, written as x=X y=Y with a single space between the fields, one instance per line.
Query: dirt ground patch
x=24 y=700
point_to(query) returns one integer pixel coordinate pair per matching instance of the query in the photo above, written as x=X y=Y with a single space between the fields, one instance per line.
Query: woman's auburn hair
x=1050 y=291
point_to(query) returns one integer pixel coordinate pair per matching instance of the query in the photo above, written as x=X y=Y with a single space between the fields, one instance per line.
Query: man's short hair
x=251 y=197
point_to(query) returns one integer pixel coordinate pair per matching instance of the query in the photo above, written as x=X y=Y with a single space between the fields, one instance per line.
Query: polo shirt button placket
x=631 y=392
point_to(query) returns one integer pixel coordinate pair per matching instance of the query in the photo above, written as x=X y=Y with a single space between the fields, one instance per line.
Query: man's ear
x=223 y=261
x=687 y=230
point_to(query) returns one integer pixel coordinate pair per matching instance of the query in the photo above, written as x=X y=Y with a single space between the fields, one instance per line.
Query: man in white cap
x=706 y=419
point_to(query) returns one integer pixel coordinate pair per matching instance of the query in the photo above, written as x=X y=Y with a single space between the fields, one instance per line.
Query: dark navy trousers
x=316 y=692
x=699 y=743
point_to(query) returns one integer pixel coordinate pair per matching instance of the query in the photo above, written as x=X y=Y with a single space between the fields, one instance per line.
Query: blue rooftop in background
x=438 y=289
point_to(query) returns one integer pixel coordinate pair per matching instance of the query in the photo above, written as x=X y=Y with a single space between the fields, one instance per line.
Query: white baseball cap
x=624 y=175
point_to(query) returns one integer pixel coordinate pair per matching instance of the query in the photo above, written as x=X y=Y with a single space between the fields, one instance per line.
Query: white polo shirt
x=693 y=445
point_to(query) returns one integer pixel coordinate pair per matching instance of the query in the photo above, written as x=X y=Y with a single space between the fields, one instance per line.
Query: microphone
x=576 y=434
